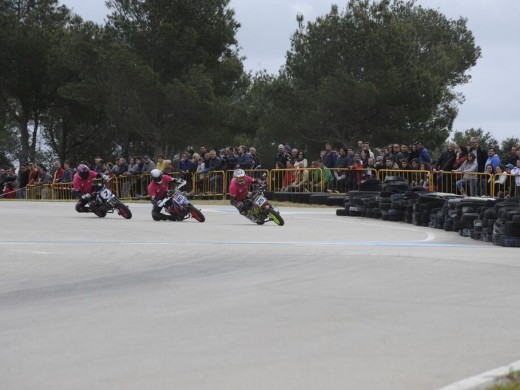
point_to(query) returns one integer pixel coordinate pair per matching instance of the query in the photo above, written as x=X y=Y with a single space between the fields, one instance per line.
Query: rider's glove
x=85 y=196
x=169 y=193
x=106 y=178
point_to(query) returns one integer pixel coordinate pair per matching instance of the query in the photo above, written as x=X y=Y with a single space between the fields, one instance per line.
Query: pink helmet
x=83 y=171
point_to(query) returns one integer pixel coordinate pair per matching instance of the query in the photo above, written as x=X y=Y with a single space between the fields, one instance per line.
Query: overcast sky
x=492 y=96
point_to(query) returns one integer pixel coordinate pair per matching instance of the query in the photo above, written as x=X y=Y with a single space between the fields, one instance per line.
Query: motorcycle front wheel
x=275 y=217
x=195 y=213
x=123 y=210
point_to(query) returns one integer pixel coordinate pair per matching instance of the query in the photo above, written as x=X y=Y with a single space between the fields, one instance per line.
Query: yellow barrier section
x=62 y=191
x=465 y=183
x=298 y=180
x=504 y=185
x=130 y=186
x=340 y=180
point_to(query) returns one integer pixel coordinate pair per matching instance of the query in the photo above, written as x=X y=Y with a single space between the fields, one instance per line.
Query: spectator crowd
x=466 y=169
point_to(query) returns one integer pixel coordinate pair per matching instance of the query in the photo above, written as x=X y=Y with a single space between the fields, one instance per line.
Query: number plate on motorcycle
x=105 y=194
x=178 y=197
x=260 y=200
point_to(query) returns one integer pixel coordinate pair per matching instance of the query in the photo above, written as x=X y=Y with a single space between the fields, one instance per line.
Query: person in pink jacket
x=239 y=189
x=84 y=186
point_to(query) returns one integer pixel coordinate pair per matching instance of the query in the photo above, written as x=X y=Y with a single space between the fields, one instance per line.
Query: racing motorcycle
x=175 y=203
x=260 y=211
x=104 y=201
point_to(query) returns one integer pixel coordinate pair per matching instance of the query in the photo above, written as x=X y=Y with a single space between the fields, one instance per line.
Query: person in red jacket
x=9 y=190
x=158 y=190
x=239 y=189
x=84 y=186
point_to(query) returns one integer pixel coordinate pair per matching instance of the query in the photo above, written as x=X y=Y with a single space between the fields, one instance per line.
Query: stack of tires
x=427 y=203
x=506 y=229
x=395 y=184
x=361 y=204
x=486 y=219
x=483 y=226
x=468 y=211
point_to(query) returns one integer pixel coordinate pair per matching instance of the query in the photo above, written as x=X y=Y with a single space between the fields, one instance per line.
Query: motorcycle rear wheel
x=195 y=213
x=100 y=211
x=275 y=217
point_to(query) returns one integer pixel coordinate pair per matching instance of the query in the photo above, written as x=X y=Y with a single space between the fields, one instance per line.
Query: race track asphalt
x=324 y=302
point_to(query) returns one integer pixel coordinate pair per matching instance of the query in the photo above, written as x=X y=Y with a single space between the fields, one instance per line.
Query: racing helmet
x=156 y=175
x=240 y=176
x=83 y=171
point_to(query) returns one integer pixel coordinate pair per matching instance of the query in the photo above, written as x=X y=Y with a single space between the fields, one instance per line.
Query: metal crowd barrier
x=216 y=183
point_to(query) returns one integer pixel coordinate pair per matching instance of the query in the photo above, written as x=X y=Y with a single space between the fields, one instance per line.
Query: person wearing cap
x=380 y=163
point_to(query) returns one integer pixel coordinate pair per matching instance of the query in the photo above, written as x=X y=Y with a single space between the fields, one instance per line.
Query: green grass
x=510 y=382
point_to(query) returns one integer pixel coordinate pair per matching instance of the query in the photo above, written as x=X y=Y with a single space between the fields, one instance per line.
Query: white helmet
x=239 y=175
x=156 y=175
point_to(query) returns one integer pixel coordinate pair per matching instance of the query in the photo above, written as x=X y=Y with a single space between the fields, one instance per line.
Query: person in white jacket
x=470 y=178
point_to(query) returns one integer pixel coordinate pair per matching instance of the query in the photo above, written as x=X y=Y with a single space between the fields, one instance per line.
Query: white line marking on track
x=430 y=236
x=34 y=252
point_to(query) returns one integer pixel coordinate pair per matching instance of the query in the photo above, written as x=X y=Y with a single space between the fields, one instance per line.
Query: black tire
x=196 y=213
x=512 y=228
x=276 y=217
x=123 y=210
x=341 y=212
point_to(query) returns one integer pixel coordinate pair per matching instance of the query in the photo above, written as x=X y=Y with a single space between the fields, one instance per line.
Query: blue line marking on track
x=285 y=243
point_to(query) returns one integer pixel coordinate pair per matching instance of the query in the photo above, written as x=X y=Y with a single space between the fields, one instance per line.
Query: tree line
x=162 y=75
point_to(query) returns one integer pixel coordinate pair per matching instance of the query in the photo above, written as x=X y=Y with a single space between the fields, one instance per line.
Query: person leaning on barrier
x=68 y=173
x=499 y=182
x=255 y=158
x=469 y=179
x=444 y=163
